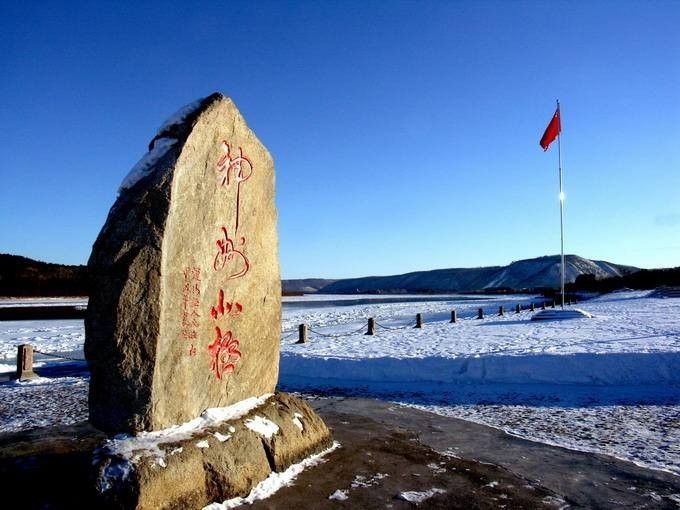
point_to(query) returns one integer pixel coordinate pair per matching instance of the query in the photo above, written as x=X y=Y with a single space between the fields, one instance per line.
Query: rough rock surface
x=215 y=464
x=185 y=302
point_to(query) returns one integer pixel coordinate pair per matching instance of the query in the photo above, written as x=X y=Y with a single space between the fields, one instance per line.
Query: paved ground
x=387 y=451
x=581 y=479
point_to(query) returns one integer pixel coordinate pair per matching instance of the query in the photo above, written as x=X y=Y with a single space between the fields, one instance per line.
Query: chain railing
x=501 y=311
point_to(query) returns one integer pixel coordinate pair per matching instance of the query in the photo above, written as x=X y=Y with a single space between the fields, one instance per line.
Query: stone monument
x=185 y=302
x=184 y=310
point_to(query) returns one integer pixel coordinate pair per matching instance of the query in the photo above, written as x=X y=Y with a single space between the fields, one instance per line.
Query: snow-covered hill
x=522 y=274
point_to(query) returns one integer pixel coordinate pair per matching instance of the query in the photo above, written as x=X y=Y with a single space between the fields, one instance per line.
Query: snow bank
x=631 y=340
x=590 y=369
x=274 y=482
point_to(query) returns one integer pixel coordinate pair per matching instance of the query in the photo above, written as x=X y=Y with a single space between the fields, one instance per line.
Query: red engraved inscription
x=191 y=296
x=236 y=169
x=224 y=353
x=231 y=258
x=233 y=308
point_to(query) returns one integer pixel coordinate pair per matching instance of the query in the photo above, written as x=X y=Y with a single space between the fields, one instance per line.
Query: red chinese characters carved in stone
x=231 y=258
x=191 y=294
x=232 y=309
x=224 y=353
x=234 y=168
x=239 y=168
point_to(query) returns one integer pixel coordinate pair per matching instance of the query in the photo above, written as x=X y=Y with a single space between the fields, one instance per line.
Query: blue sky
x=405 y=134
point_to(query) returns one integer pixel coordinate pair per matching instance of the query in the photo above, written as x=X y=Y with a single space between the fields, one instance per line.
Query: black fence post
x=371 y=326
x=302 y=334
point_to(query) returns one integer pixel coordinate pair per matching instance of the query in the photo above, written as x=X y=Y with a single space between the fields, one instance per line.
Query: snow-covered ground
x=610 y=384
x=351 y=297
x=43 y=301
x=55 y=336
x=631 y=340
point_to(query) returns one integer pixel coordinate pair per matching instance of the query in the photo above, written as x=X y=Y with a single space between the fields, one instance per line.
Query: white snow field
x=610 y=384
x=44 y=301
x=631 y=339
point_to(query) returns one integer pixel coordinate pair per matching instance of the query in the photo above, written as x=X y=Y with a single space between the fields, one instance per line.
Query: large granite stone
x=185 y=305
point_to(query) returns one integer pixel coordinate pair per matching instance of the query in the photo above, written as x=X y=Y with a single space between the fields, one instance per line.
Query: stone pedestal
x=214 y=464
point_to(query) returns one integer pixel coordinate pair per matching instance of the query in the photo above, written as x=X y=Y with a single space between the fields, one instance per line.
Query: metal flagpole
x=559 y=160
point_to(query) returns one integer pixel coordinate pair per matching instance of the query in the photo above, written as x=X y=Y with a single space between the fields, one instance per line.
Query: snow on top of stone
x=161 y=144
x=221 y=437
x=180 y=116
x=297 y=421
x=262 y=426
x=147 y=443
x=143 y=167
x=274 y=482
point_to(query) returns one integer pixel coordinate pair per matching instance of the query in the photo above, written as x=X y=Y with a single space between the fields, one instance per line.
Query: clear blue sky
x=405 y=134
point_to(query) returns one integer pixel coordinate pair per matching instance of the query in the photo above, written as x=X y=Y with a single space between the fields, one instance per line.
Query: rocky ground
x=391 y=457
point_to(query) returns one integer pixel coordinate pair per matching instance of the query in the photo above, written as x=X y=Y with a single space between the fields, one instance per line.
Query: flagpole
x=559 y=162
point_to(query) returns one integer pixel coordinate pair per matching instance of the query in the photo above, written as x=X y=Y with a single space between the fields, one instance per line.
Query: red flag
x=552 y=131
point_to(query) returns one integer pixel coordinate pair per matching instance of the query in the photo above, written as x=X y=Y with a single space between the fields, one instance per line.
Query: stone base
x=214 y=464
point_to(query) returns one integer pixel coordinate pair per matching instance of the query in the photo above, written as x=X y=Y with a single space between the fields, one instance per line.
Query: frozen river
x=610 y=384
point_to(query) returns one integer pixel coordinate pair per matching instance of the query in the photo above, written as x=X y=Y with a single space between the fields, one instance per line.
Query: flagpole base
x=561 y=314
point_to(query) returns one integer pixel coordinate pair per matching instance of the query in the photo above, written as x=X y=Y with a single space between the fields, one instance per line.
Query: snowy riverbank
x=610 y=384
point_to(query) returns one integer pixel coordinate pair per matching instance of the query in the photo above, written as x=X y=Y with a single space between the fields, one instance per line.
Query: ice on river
x=610 y=384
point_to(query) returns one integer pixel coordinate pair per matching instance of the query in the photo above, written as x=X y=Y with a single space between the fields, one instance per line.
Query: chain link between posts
x=393 y=328
x=288 y=334
x=291 y=333
x=348 y=333
x=60 y=356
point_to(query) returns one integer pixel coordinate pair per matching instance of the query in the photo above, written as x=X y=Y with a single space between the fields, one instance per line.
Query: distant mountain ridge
x=305 y=285
x=21 y=276
x=540 y=272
